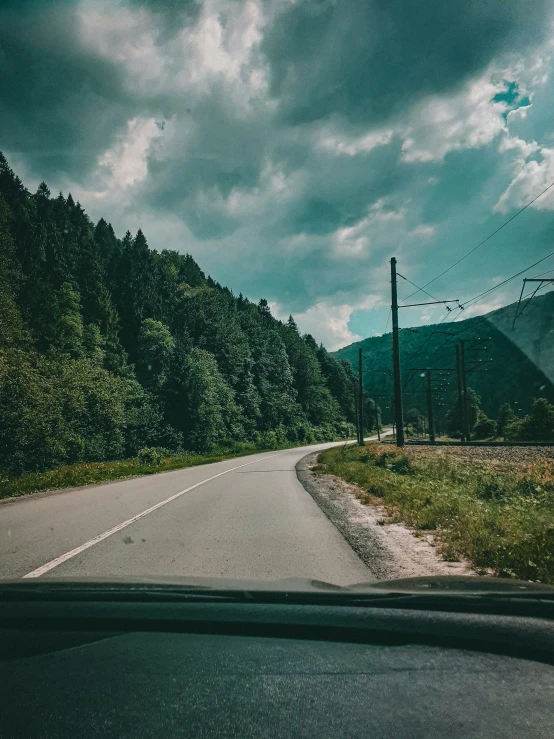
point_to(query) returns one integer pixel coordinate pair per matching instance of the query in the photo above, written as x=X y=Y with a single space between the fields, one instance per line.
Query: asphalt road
x=246 y=518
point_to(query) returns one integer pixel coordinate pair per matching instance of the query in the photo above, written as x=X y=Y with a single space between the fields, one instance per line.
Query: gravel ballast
x=497 y=454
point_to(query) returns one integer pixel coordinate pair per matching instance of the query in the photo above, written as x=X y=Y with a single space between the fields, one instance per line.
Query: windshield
x=275 y=290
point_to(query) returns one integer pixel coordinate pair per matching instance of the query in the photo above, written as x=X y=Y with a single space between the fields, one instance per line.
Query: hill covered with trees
x=517 y=364
x=108 y=346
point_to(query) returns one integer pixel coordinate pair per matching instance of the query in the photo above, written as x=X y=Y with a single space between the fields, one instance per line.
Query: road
x=246 y=518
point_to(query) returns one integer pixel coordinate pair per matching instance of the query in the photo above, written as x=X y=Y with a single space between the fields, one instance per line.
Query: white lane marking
x=97 y=539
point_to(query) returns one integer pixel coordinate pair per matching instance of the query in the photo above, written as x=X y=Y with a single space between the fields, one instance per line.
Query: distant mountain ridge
x=521 y=369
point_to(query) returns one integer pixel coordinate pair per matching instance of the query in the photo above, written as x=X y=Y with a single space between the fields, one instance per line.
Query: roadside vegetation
x=498 y=516
x=536 y=426
x=149 y=461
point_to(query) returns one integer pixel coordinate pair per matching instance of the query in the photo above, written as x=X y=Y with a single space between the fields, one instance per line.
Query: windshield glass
x=275 y=290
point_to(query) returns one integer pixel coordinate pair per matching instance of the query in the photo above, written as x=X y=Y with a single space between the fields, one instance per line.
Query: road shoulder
x=388 y=550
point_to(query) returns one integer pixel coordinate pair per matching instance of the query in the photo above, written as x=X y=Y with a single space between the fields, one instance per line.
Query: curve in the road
x=241 y=518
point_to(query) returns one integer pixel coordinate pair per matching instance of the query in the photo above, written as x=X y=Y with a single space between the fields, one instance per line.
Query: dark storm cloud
x=369 y=59
x=220 y=150
x=299 y=147
x=340 y=189
x=60 y=104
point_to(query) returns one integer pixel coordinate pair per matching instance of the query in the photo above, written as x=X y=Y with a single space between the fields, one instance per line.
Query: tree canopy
x=108 y=346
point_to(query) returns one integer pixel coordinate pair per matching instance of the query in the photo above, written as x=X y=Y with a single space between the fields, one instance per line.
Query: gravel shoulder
x=389 y=550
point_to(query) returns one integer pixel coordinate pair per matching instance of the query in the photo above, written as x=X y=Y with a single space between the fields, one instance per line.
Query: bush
x=149 y=456
x=485 y=427
x=537 y=426
x=393 y=461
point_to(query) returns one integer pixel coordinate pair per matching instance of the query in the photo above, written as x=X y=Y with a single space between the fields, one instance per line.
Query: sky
x=294 y=146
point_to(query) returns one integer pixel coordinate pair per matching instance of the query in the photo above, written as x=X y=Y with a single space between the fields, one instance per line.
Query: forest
x=109 y=347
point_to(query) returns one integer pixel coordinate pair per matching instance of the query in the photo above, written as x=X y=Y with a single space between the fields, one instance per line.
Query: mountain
x=520 y=364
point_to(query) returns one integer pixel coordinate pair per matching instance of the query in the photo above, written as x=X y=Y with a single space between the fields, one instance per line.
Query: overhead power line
x=504 y=282
x=427 y=340
x=474 y=300
x=419 y=289
x=388 y=319
x=484 y=241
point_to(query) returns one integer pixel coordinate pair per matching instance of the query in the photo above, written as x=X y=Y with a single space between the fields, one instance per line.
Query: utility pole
x=463 y=343
x=377 y=418
x=460 y=391
x=465 y=404
x=430 y=373
x=430 y=410
x=398 y=414
x=356 y=409
x=360 y=396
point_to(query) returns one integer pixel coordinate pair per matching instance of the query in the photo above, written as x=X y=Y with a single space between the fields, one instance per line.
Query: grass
x=501 y=519
x=87 y=473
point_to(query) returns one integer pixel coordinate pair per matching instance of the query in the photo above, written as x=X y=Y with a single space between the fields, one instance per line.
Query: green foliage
x=12 y=331
x=506 y=417
x=212 y=414
x=485 y=428
x=155 y=350
x=454 y=418
x=537 y=426
x=58 y=411
x=415 y=422
x=108 y=348
x=150 y=456
x=500 y=522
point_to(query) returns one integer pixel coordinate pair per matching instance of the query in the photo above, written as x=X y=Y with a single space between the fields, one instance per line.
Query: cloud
x=62 y=103
x=479 y=309
x=328 y=321
x=339 y=142
x=532 y=177
x=424 y=230
x=291 y=147
x=371 y=60
x=469 y=119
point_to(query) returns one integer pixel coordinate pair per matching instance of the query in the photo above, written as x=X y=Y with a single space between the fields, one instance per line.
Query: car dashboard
x=209 y=665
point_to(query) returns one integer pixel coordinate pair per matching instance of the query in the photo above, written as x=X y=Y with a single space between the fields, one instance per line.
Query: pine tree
x=12 y=330
x=77 y=303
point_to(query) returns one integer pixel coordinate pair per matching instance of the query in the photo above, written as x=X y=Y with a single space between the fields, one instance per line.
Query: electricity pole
x=377 y=418
x=360 y=396
x=398 y=414
x=460 y=391
x=520 y=310
x=473 y=368
x=430 y=410
x=356 y=409
x=465 y=404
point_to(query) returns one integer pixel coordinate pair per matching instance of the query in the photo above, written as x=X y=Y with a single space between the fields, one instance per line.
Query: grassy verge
x=88 y=473
x=500 y=520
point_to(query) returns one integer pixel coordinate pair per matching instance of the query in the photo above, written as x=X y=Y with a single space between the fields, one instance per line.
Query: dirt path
x=389 y=550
